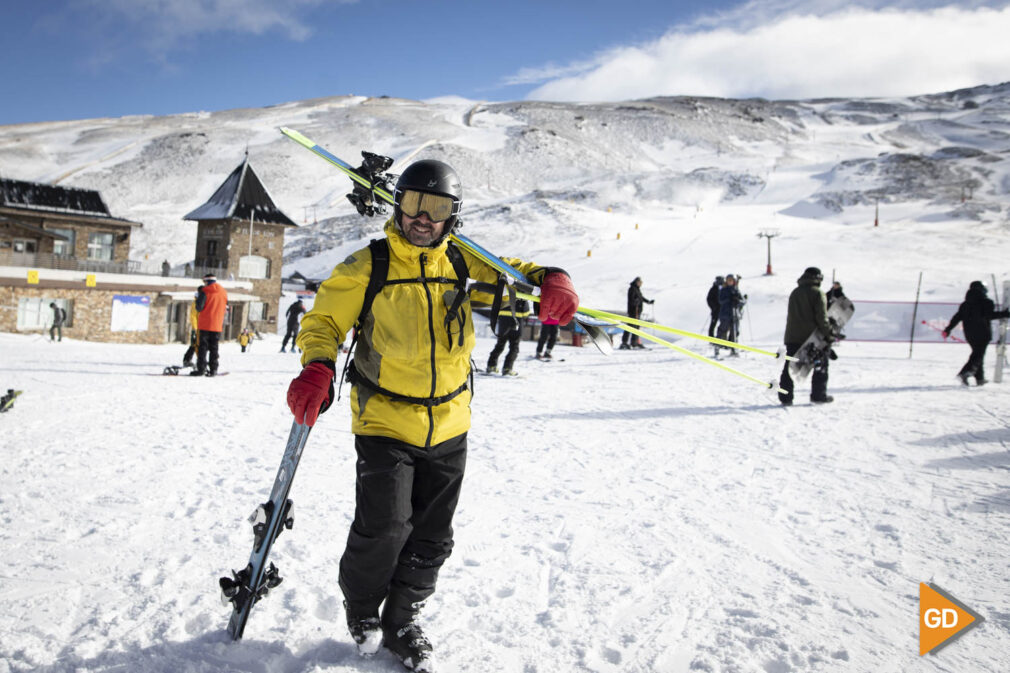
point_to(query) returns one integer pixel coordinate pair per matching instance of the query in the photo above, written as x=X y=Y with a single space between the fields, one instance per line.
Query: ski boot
x=363 y=624
x=509 y=372
x=547 y=355
x=491 y=369
x=403 y=636
x=964 y=379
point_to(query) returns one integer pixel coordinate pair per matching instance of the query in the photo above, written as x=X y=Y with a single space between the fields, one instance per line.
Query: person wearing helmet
x=713 y=304
x=808 y=312
x=410 y=400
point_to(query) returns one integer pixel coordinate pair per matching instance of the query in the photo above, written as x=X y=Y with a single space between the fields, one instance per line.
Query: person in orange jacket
x=211 y=303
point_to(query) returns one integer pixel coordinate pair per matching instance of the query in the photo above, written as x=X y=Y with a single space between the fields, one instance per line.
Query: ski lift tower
x=769 y=234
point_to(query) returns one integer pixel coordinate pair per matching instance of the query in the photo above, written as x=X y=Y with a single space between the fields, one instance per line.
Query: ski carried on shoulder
x=247 y=586
x=372 y=192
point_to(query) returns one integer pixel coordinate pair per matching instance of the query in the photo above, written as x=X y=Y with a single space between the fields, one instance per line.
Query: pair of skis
x=373 y=186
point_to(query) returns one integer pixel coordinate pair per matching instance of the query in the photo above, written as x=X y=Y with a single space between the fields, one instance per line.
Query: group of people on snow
x=405 y=299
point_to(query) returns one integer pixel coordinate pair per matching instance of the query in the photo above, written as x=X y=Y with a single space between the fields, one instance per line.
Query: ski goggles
x=437 y=206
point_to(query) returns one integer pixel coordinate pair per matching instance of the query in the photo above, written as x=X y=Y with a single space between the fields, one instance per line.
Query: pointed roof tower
x=240 y=197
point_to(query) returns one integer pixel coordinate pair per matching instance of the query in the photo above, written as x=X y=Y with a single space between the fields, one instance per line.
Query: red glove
x=311 y=393
x=558 y=299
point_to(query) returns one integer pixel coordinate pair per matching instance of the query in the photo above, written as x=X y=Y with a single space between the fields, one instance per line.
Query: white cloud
x=164 y=25
x=800 y=54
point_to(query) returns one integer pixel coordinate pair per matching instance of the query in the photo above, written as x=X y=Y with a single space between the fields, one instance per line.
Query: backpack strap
x=454 y=312
x=379 y=247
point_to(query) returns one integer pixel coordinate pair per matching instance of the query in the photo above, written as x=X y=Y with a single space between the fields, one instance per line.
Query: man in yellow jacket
x=410 y=402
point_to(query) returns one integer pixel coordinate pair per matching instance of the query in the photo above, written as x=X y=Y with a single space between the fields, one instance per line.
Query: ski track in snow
x=639 y=512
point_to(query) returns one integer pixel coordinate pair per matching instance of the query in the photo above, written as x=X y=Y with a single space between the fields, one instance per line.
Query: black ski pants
x=402 y=531
x=976 y=361
x=292 y=334
x=634 y=338
x=548 y=335
x=508 y=336
x=818 y=379
x=194 y=343
x=206 y=354
x=713 y=322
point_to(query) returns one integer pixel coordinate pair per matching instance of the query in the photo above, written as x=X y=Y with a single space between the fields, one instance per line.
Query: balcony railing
x=46 y=260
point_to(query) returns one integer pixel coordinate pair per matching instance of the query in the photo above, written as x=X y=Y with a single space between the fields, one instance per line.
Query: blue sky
x=73 y=59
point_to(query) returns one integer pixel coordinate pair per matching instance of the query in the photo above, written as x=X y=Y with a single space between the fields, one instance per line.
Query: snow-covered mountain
x=690 y=182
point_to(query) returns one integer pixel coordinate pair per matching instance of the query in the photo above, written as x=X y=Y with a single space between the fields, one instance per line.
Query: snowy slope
x=642 y=512
x=696 y=526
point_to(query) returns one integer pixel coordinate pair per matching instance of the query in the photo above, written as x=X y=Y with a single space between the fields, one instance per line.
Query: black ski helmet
x=434 y=177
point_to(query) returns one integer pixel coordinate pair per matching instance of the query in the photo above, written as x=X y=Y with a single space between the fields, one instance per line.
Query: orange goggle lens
x=439 y=208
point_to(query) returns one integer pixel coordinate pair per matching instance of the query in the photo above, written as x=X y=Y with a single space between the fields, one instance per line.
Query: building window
x=212 y=248
x=253 y=266
x=34 y=312
x=257 y=310
x=100 y=247
x=26 y=245
x=66 y=247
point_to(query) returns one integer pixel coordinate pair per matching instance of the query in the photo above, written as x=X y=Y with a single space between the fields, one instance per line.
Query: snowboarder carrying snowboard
x=976 y=313
x=410 y=400
x=808 y=312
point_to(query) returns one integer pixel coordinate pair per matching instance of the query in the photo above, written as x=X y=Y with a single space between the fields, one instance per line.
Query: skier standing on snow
x=635 y=301
x=59 y=316
x=510 y=331
x=808 y=312
x=730 y=300
x=976 y=313
x=548 y=335
x=294 y=315
x=712 y=299
x=211 y=304
x=410 y=400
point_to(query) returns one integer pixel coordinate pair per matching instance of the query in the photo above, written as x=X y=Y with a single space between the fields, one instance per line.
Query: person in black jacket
x=713 y=304
x=730 y=300
x=976 y=314
x=635 y=301
x=807 y=313
x=294 y=315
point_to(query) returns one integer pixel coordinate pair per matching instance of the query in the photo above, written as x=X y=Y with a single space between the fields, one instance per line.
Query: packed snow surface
x=640 y=512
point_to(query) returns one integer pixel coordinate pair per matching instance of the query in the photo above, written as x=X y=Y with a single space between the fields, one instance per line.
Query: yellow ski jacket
x=405 y=345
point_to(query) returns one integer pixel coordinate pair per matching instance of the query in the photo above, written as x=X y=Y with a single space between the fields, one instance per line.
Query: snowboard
x=1001 y=340
x=7 y=400
x=248 y=586
x=173 y=370
x=484 y=372
x=816 y=347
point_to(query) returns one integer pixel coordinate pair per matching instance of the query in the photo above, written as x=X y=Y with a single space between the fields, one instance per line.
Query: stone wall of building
x=268 y=242
x=90 y=315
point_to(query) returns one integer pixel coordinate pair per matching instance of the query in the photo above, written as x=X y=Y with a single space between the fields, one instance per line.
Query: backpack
x=379 y=278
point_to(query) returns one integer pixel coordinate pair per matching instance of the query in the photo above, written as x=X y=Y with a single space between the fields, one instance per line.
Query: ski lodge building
x=62 y=245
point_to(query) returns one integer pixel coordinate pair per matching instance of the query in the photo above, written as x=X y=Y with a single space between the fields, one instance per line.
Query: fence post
x=915 y=312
